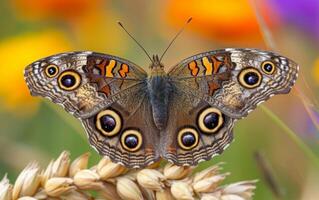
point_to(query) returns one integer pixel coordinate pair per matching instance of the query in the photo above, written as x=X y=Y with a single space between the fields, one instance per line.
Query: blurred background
x=35 y=129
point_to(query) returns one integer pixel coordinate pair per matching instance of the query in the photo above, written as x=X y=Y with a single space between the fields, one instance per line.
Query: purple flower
x=303 y=14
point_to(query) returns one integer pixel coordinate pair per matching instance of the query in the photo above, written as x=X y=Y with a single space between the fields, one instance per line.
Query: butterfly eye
x=210 y=120
x=108 y=122
x=268 y=67
x=187 y=138
x=69 y=80
x=250 y=78
x=131 y=140
x=51 y=71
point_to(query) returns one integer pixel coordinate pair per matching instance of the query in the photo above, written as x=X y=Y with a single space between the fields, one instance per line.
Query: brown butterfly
x=185 y=115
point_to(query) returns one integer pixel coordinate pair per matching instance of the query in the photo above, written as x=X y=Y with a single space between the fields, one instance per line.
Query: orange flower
x=15 y=54
x=92 y=26
x=63 y=9
x=227 y=20
x=98 y=31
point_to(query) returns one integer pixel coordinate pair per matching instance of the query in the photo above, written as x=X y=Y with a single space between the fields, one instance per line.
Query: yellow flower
x=15 y=54
x=316 y=71
x=227 y=20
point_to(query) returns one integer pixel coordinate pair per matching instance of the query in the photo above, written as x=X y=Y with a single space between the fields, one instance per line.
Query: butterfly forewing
x=235 y=80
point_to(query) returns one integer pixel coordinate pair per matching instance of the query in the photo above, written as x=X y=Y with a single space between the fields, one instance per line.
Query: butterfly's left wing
x=213 y=89
x=108 y=94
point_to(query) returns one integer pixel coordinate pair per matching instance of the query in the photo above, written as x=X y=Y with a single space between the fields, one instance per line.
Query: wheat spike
x=63 y=179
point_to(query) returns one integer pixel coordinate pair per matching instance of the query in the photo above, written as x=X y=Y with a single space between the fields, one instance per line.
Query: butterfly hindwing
x=125 y=134
x=195 y=131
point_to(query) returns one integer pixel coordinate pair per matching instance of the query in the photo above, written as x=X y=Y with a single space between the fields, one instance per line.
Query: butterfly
x=185 y=115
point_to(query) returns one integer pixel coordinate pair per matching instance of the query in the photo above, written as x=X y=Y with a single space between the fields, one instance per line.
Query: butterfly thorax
x=159 y=90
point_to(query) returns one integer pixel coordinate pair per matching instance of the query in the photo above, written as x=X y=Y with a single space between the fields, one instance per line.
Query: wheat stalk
x=106 y=180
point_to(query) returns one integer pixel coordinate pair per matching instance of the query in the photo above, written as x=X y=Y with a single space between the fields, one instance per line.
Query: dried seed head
x=127 y=189
x=53 y=198
x=79 y=164
x=164 y=195
x=155 y=164
x=208 y=184
x=75 y=195
x=107 y=169
x=175 y=172
x=171 y=182
x=151 y=179
x=41 y=194
x=182 y=191
x=209 y=172
x=243 y=189
x=45 y=175
x=147 y=193
x=108 y=191
x=27 y=198
x=232 y=197
x=27 y=182
x=87 y=180
x=60 y=167
x=210 y=196
x=5 y=189
x=58 y=186
x=132 y=175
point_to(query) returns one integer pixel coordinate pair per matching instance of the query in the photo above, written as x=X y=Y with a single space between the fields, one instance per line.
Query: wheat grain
x=65 y=180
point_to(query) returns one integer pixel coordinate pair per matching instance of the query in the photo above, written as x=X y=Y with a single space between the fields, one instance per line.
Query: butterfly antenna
x=135 y=40
x=178 y=33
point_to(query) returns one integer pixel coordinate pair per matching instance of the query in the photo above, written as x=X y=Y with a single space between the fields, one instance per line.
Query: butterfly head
x=156 y=63
x=156 y=66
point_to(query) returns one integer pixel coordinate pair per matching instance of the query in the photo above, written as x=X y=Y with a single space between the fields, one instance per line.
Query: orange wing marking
x=217 y=64
x=109 y=68
x=193 y=68
x=106 y=90
x=105 y=67
x=212 y=67
x=101 y=66
x=208 y=66
x=124 y=70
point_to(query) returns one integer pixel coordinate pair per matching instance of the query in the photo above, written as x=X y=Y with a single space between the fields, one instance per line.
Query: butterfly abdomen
x=159 y=90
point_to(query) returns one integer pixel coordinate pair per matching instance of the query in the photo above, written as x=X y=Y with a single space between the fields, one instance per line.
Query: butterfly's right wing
x=211 y=91
x=195 y=130
x=235 y=80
